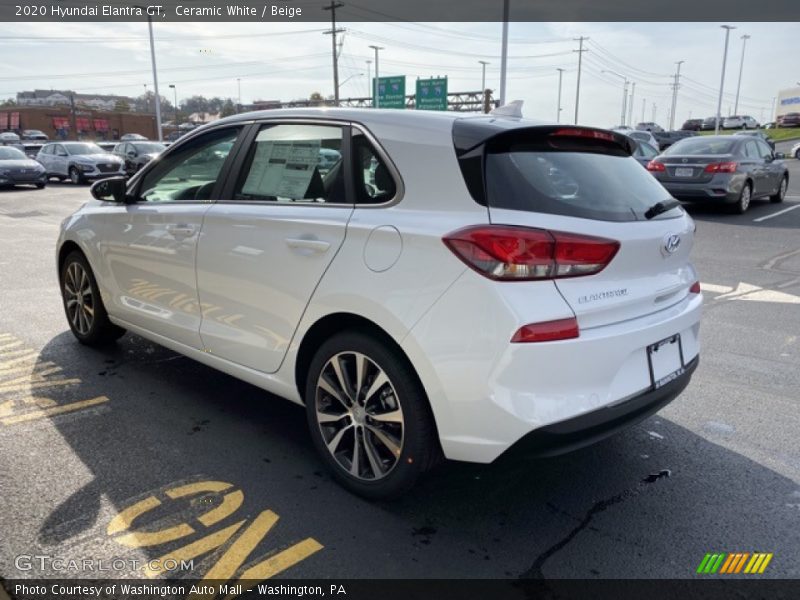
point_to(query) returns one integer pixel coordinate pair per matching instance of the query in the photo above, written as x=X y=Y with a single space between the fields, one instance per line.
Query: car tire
x=378 y=445
x=41 y=186
x=781 y=193
x=83 y=305
x=743 y=202
x=797 y=154
x=75 y=176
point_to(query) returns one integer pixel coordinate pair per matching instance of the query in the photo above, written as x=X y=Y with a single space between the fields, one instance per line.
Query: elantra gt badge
x=671 y=243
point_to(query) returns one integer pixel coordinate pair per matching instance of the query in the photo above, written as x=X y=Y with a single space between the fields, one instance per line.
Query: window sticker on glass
x=282 y=169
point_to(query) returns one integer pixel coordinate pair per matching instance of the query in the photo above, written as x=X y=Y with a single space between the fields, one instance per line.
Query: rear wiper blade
x=661 y=207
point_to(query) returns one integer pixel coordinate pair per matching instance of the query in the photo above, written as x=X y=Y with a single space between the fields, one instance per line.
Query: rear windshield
x=697 y=146
x=576 y=184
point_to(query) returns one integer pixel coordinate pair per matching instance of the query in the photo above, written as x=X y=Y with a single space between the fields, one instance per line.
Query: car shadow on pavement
x=649 y=502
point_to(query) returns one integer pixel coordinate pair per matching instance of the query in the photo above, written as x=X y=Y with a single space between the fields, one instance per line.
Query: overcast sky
x=287 y=61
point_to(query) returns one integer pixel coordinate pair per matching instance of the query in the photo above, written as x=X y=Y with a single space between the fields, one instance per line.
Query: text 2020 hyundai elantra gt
x=453 y=286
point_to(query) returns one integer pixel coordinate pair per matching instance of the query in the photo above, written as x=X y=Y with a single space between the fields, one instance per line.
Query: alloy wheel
x=74 y=175
x=359 y=415
x=744 y=199
x=79 y=298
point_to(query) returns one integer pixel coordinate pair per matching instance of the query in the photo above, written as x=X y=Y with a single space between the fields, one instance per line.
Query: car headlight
x=85 y=166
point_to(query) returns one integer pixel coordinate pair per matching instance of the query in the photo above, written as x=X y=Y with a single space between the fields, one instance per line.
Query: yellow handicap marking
x=21 y=373
x=236 y=542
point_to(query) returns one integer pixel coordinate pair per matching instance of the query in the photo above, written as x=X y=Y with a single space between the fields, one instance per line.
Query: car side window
x=294 y=162
x=647 y=151
x=764 y=150
x=751 y=150
x=374 y=183
x=191 y=172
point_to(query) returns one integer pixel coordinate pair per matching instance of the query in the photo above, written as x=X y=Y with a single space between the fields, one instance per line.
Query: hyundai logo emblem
x=671 y=243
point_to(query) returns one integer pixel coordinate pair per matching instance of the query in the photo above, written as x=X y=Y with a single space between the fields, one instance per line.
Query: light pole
x=558 y=112
x=375 y=98
x=483 y=64
x=504 y=54
x=369 y=78
x=146 y=103
x=624 y=93
x=155 y=78
x=174 y=89
x=630 y=104
x=727 y=29
x=239 y=85
x=745 y=37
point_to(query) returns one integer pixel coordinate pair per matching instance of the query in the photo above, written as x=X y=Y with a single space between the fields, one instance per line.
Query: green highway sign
x=432 y=94
x=391 y=92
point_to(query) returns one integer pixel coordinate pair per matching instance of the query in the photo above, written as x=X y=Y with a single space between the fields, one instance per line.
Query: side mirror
x=112 y=189
x=780 y=155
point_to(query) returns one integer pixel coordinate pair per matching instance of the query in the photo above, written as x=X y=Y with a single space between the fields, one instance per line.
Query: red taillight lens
x=695 y=289
x=723 y=167
x=550 y=331
x=505 y=252
x=584 y=133
x=653 y=165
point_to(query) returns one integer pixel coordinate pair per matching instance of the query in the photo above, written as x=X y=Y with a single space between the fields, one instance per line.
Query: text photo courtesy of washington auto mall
x=363 y=299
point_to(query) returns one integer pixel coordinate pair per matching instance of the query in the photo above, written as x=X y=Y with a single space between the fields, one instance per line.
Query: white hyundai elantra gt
x=451 y=286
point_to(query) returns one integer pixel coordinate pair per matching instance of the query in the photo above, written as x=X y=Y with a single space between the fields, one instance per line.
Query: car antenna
x=512 y=109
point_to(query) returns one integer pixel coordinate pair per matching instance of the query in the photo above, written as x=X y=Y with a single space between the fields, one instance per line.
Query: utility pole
x=580 y=52
x=630 y=104
x=155 y=79
x=146 y=103
x=675 y=86
x=72 y=119
x=624 y=94
x=334 y=50
x=727 y=29
x=558 y=112
x=239 y=84
x=376 y=98
x=175 y=90
x=644 y=103
x=653 y=118
x=504 y=54
x=483 y=74
x=741 y=67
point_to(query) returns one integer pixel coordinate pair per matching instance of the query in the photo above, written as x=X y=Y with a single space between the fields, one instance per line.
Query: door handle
x=317 y=246
x=180 y=231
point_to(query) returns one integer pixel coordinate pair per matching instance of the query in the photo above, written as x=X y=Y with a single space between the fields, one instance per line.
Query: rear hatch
x=584 y=182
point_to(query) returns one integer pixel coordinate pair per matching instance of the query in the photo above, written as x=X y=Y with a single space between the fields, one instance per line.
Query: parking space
x=137 y=454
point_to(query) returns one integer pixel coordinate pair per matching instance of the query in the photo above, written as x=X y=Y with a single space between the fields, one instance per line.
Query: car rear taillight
x=695 y=289
x=510 y=253
x=722 y=167
x=658 y=167
x=549 y=331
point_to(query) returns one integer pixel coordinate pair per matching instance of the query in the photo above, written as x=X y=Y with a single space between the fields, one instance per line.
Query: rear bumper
x=597 y=425
x=487 y=394
x=721 y=189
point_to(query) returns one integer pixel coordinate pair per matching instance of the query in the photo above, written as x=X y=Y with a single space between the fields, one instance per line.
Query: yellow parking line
x=24 y=387
x=30 y=356
x=4 y=347
x=56 y=410
x=280 y=562
x=37 y=369
x=16 y=353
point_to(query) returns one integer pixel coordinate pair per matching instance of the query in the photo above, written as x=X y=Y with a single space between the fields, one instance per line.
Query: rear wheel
x=781 y=193
x=368 y=416
x=83 y=305
x=743 y=203
x=40 y=186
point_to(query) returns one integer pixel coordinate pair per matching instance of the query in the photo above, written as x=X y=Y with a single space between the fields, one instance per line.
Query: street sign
x=432 y=94
x=391 y=92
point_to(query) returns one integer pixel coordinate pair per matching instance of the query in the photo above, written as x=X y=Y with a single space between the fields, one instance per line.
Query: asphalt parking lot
x=137 y=453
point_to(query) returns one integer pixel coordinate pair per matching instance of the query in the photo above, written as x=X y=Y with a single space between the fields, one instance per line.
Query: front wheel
x=369 y=416
x=86 y=314
x=75 y=176
x=781 y=193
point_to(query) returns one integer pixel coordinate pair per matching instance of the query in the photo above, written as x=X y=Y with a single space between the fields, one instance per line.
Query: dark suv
x=692 y=125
